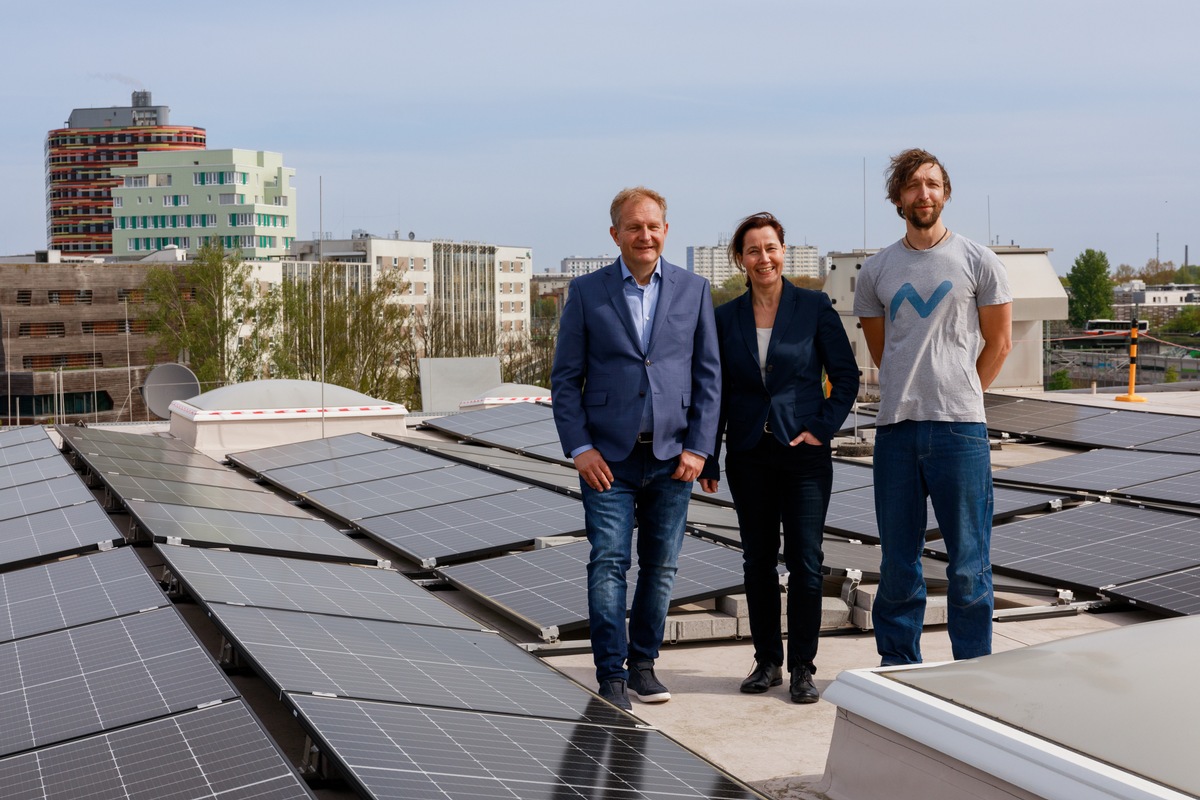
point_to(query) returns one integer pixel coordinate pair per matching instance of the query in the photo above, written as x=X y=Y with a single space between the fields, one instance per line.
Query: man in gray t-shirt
x=936 y=312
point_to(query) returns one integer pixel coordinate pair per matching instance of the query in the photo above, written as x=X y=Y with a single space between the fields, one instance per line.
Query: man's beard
x=920 y=224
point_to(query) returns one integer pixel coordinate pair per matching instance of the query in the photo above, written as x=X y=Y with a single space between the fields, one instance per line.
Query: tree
x=366 y=341
x=1123 y=274
x=1091 y=288
x=1060 y=379
x=806 y=282
x=1186 y=321
x=1157 y=273
x=211 y=315
x=734 y=286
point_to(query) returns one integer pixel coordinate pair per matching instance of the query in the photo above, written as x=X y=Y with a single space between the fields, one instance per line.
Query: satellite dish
x=411 y=236
x=167 y=383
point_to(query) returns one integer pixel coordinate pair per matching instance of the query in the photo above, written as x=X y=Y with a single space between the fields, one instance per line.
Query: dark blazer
x=601 y=374
x=807 y=337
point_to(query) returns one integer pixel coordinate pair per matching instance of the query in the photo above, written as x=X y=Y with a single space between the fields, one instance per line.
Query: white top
x=764 y=341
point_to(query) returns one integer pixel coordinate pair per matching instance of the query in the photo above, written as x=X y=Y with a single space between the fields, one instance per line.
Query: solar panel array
x=46 y=511
x=429 y=509
x=1089 y=426
x=106 y=693
x=1165 y=477
x=368 y=641
x=176 y=494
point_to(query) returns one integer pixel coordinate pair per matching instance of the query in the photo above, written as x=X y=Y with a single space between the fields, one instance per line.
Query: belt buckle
x=767 y=427
x=645 y=438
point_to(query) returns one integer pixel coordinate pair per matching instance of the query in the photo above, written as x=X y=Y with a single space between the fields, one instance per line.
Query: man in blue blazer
x=636 y=386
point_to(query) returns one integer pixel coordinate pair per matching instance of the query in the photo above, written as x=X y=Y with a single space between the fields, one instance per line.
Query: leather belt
x=645 y=438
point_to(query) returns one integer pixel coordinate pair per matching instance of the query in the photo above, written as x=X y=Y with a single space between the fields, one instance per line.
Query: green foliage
x=734 y=286
x=1091 y=288
x=1186 y=321
x=1157 y=273
x=209 y=314
x=1189 y=273
x=1060 y=379
x=1171 y=375
x=365 y=341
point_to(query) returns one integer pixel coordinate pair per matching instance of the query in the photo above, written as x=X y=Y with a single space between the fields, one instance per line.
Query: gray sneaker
x=614 y=692
x=645 y=684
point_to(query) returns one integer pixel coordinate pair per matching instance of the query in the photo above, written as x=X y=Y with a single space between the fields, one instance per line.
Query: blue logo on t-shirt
x=922 y=306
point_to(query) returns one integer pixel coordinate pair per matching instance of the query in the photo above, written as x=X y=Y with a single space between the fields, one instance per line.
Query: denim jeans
x=773 y=484
x=642 y=493
x=950 y=463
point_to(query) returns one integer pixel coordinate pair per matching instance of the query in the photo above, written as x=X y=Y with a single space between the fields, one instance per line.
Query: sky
x=1069 y=124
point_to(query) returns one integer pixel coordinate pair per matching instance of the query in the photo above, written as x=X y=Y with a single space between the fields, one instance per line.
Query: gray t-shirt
x=929 y=302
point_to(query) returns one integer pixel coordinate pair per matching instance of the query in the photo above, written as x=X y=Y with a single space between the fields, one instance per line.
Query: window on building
x=41 y=330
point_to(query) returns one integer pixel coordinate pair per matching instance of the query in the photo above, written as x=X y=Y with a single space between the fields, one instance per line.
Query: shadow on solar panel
x=546 y=590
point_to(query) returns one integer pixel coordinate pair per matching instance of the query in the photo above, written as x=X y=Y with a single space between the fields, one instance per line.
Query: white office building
x=574 y=266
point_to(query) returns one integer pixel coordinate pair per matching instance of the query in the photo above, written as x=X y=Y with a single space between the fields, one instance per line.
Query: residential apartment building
x=243 y=199
x=713 y=262
x=574 y=266
x=464 y=285
x=80 y=160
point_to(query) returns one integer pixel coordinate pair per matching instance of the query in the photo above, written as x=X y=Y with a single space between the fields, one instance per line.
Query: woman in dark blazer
x=776 y=343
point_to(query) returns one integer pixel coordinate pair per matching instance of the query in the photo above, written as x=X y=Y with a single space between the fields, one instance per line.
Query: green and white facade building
x=243 y=199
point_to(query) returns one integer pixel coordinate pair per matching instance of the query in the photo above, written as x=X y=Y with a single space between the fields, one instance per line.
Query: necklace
x=911 y=246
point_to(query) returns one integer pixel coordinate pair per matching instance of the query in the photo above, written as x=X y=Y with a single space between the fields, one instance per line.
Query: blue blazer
x=807 y=337
x=601 y=375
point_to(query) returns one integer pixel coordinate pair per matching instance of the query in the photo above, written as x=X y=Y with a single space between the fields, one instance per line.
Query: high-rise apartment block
x=80 y=159
x=713 y=262
x=243 y=199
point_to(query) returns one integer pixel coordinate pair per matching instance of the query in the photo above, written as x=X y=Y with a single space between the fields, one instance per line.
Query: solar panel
x=547 y=588
x=471 y=423
x=852 y=513
x=514 y=465
x=1187 y=443
x=85 y=449
x=54 y=466
x=220 y=576
x=476 y=527
x=214 y=753
x=421 y=489
x=64 y=594
x=1099 y=471
x=98 y=437
x=1023 y=416
x=254 y=533
x=32 y=498
x=404 y=751
x=1120 y=429
x=54 y=533
x=855 y=421
x=250 y=500
x=376 y=660
x=1096 y=545
x=1182 y=490
x=353 y=469
x=220 y=476
x=1174 y=593
x=521 y=437
x=849 y=475
x=551 y=452
x=290 y=455
x=23 y=435
x=102 y=676
x=28 y=451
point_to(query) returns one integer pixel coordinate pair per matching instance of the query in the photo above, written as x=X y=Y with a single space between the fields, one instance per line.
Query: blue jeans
x=950 y=463
x=642 y=493
x=772 y=485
